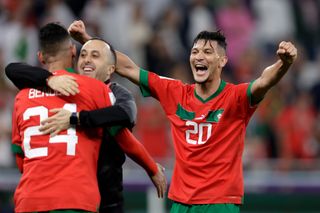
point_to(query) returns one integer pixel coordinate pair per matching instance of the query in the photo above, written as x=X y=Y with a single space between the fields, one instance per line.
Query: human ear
x=41 y=57
x=223 y=61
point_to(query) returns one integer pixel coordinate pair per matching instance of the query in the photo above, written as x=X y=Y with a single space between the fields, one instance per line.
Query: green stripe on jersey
x=114 y=130
x=184 y=114
x=144 y=85
x=17 y=149
x=249 y=95
x=71 y=70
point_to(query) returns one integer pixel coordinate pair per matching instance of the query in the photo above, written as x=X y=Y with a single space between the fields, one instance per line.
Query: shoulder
x=115 y=86
x=23 y=93
x=236 y=87
x=155 y=77
x=89 y=81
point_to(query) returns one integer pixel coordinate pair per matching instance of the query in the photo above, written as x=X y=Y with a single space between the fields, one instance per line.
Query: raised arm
x=125 y=66
x=271 y=75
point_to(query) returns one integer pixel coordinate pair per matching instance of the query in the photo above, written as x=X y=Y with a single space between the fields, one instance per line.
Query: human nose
x=87 y=59
x=199 y=56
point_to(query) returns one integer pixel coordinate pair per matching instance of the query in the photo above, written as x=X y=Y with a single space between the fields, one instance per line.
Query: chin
x=87 y=74
x=200 y=80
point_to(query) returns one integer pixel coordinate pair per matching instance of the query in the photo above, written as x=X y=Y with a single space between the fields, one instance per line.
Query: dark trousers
x=116 y=208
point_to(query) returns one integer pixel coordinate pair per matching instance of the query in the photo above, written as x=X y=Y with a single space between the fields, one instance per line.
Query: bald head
x=109 y=48
x=97 y=59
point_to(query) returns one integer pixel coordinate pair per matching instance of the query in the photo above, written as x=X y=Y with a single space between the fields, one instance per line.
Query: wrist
x=86 y=38
x=48 y=79
x=74 y=118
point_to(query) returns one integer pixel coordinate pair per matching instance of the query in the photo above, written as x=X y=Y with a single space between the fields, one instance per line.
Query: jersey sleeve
x=136 y=151
x=16 y=141
x=243 y=97
x=166 y=90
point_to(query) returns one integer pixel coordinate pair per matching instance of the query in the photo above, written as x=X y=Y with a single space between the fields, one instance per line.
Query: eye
x=193 y=52
x=95 y=55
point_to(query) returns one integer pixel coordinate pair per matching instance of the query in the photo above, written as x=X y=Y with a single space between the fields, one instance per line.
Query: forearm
x=127 y=68
x=273 y=74
x=136 y=151
x=105 y=117
x=269 y=77
x=26 y=76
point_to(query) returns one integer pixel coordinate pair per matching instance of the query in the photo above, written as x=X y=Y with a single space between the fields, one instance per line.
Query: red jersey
x=208 y=137
x=58 y=172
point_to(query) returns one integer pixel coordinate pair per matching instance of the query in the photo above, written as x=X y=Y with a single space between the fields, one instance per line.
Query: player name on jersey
x=45 y=92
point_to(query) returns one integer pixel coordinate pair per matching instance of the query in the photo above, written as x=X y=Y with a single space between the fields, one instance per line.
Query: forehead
x=201 y=44
x=96 y=45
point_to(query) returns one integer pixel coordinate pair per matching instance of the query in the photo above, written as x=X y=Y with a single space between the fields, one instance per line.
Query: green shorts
x=205 y=208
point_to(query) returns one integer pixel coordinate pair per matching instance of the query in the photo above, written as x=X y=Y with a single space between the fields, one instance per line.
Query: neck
x=205 y=90
x=58 y=65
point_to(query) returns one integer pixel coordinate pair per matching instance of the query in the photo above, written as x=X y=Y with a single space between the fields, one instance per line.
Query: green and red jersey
x=58 y=172
x=208 y=138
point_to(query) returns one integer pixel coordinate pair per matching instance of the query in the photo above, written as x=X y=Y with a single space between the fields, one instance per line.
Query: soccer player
x=208 y=120
x=57 y=52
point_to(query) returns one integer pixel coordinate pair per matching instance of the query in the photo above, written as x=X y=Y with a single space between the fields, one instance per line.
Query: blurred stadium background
x=282 y=154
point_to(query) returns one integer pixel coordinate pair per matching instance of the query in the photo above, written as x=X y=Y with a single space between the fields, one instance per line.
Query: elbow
x=8 y=70
x=266 y=83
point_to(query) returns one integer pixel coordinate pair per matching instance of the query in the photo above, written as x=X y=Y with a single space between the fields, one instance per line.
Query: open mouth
x=88 y=69
x=201 y=68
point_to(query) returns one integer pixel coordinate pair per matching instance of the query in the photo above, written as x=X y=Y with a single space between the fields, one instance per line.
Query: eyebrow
x=95 y=51
x=206 y=48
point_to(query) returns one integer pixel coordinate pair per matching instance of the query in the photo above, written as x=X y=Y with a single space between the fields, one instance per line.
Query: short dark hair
x=212 y=36
x=52 y=36
x=113 y=51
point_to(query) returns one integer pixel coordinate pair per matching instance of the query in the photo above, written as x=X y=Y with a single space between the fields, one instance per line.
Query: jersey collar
x=219 y=90
x=71 y=70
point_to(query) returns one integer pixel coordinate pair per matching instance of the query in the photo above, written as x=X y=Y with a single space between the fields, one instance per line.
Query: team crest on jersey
x=212 y=116
x=215 y=116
